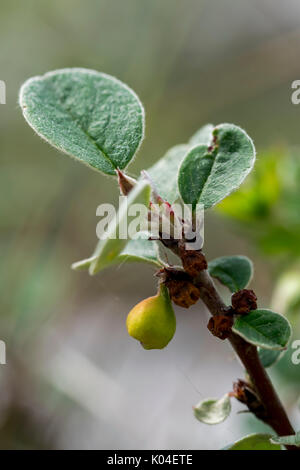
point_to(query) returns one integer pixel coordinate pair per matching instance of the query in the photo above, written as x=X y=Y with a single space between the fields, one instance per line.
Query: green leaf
x=164 y=172
x=83 y=264
x=287 y=440
x=203 y=136
x=193 y=174
x=254 y=442
x=88 y=115
x=212 y=411
x=269 y=357
x=209 y=174
x=264 y=328
x=140 y=250
x=235 y=272
x=107 y=250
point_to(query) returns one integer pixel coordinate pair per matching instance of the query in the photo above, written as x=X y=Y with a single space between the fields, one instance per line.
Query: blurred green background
x=73 y=378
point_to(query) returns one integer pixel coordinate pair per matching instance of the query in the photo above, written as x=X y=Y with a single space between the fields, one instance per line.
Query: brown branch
x=274 y=413
x=276 y=416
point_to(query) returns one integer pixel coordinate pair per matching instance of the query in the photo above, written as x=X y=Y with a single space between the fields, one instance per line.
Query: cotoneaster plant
x=99 y=120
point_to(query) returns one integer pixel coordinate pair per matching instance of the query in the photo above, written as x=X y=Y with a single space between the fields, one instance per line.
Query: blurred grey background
x=74 y=378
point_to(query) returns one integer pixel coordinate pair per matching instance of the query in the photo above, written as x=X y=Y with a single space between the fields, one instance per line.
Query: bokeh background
x=74 y=378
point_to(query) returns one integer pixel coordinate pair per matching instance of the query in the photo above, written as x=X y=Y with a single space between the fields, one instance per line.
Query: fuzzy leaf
x=287 y=440
x=254 y=442
x=235 y=272
x=209 y=174
x=83 y=264
x=164 y=172
x=193 y=174
x=140 y=250
x=264 y=328
x=203 y=136
x=107 y=250
x=269 y=357
x=212 y=411
x=88 y=115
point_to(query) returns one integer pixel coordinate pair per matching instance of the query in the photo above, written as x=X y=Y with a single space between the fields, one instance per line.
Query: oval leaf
x=287 y=440
x=164 y=172
x=140 y=250
x=89 y=115
x=264 y=328
x=235 y=272
x=107 y=250
x=269 y=357
x=254 y=442
x=193 y=174
x=209 y=173
x=211 y=411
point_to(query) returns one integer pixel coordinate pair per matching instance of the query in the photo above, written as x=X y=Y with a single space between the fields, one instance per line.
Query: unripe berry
x=152 y=321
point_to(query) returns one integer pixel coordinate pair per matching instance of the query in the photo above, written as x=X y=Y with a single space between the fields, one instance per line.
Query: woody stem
x=276 y=415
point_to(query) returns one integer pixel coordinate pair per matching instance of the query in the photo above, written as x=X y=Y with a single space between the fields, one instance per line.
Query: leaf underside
x=108 y=249
x=88 y=115
x=287 y=440
x=212 y=411
x=164 y=172
x=203 y=135
x=140 y=250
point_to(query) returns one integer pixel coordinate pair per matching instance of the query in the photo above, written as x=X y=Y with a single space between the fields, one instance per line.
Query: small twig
x=274 y=415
